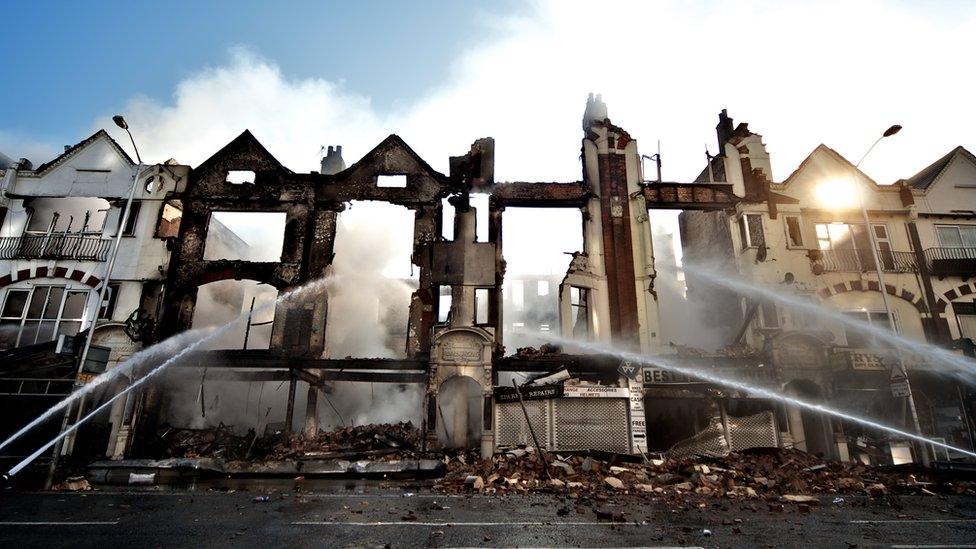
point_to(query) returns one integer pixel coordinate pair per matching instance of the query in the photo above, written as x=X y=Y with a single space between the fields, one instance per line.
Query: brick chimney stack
x=332 y=162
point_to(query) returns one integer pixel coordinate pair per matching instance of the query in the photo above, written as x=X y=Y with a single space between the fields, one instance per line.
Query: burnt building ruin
x=457 y=346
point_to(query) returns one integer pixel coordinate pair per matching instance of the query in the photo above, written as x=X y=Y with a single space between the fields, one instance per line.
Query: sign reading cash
x=638 y=421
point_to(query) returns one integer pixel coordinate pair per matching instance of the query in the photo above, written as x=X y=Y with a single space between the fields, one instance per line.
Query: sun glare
x=837 y=194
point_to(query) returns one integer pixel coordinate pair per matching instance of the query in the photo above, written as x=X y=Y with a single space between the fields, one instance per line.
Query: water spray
x=314 y=285
x=169 y=345
x=711 y=377
x=960 y=364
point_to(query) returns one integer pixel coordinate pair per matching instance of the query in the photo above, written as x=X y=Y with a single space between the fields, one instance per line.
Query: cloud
x=833 y=72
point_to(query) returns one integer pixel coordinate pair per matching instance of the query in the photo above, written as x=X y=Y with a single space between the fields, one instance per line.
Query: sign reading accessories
x=507 y=394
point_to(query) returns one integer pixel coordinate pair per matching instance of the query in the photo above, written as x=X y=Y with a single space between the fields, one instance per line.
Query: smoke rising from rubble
x=369 y=298
x=371 y=282
x=683 y=321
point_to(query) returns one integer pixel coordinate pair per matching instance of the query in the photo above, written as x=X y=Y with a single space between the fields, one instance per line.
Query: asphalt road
x=374 y=517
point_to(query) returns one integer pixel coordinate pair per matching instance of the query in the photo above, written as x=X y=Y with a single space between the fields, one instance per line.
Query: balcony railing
x=858 y=260
x=55 y=246
x=951 y=261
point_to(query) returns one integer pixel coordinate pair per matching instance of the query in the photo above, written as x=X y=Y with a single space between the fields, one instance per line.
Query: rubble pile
x=217 y=442
x=543 y=350
x=364 y=441
x=381 y=441
x=770 y=474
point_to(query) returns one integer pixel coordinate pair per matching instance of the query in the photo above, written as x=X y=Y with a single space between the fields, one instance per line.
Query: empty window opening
x=107 y=308
x=374 y=278
x=218 y=303
x=444 y=304
x=579 y=304
x=398 y=181
x=794 y=236
x=240 y=177
x=130 y=223
x=169 y=221
x=517 y=291
x=447 y=219
x=480 y=203
x=67 y=215
x=245 y=236
x=40 y=314
x=538 y=244
x=481 y=305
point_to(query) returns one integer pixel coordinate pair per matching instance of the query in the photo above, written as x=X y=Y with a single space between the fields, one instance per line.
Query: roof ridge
x=70 y=151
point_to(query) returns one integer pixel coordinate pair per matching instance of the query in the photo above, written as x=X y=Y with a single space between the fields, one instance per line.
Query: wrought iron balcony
x=951 y=261
x=859 y=260
x=55 y=246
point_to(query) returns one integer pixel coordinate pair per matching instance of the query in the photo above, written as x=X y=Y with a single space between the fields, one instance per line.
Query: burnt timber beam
x=546 y=363
x=229 y=374
x=688 y=196
x=242 y=359
x=540 y=195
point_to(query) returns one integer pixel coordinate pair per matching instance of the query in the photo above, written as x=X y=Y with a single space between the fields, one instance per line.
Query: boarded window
x=794 y=236
x=298 y=329
x=770 y=316
x=751 y=231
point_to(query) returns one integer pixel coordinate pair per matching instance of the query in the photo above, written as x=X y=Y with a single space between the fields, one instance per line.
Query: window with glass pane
x=40 y=314
x=967 y=326
x=11 y=317
x=864 y=337
x=956 y=236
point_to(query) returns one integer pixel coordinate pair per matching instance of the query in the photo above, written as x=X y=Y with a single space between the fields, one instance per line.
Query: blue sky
x=72 y=60
x=190 y=76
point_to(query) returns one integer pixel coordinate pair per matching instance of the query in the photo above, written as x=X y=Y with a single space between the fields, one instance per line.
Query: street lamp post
x=93 y=317
x=879 y=269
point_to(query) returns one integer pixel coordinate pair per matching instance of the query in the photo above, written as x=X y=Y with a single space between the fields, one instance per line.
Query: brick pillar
x=618 y=248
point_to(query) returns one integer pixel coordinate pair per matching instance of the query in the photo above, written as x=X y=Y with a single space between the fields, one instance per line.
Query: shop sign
x=865 y=361
x=595 y=391
x=658 y=376
x=638 y=421
x=629 y=369
x=508 y=394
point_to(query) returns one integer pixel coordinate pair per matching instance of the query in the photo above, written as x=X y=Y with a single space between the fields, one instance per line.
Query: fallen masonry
x=760 y=476
x=772 y=475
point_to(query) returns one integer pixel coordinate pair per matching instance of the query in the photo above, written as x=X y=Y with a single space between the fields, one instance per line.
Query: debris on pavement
x=777 y=476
